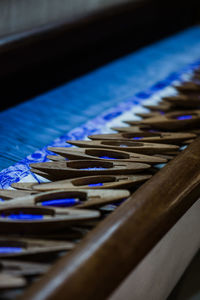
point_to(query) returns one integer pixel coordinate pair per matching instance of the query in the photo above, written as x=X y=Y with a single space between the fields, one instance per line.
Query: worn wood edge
x=112 y=250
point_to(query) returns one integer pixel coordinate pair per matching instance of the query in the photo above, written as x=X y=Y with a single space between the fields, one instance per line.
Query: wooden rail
x=112 y=250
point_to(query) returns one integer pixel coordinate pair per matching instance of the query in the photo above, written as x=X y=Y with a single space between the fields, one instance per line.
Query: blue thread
x=107 y=157
x=93 y=169
x=138 y=138
x=10 y=250
x=1 y=200
x=95 y=184
x=124 y=146
x=186 y=117
x=61 y=202
x=22 y=216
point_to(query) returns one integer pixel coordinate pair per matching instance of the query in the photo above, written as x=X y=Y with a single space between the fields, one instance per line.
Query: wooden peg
x=136 y=123
x=127 y=146
x=188 y=87
x=8 y=281
x=135 y=129
x=162 y=106
x=79 y=168
x=152 y=137
x=149 y=114
x=40 y=220
x=10 y=194
x=21 y=248
x=69 y=198
x=95 y=182
x=56 y=158
x=23 y=186
x=184 y=101
x=21 y=268
x=42 y=174
x=107 y=154
x=179 y=120
x=188 y=142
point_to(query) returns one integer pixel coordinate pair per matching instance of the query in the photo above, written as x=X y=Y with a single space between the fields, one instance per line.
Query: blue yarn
x=107 y=157
x=95 y=184
x=67 y=202
x=8 y=250
x=22 y=216
x=35 y=123
x=186 y=117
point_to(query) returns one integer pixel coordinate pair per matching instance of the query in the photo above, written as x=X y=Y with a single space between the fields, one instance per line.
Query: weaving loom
x=135 y=125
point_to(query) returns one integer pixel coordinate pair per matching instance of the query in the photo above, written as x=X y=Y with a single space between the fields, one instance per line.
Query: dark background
x=48 y=57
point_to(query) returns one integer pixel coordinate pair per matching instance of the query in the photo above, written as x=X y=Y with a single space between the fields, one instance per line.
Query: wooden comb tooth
x=10 y=194
x=159 y=137
x=183 y=101
x=79 y=168
x=24 y=186
x=137 y=123
x=154 y=132
x=127 y=146
x=188 y=87
x=41 y=220
x=67 y=198
x=135 y=129
x=8 y=281
x=149 y=114
x=110 y=136
x=173 y=153
x=42 y=174
x=25 y=247
x=163 y=106
x=68 y=234
x=168 y=157
x=22 y=268
x=94 y=182
x=188 y=142
x=56 y=158
x=100 y=198
x=105 y=154
x=180 y=120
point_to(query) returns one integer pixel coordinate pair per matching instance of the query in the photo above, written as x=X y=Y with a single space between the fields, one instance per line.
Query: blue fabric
x=35 y=123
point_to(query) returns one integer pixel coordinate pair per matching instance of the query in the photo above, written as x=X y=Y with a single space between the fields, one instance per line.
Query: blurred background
x=45 y=43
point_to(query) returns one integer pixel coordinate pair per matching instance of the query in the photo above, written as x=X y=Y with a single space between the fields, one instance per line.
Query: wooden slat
x=107 y=255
